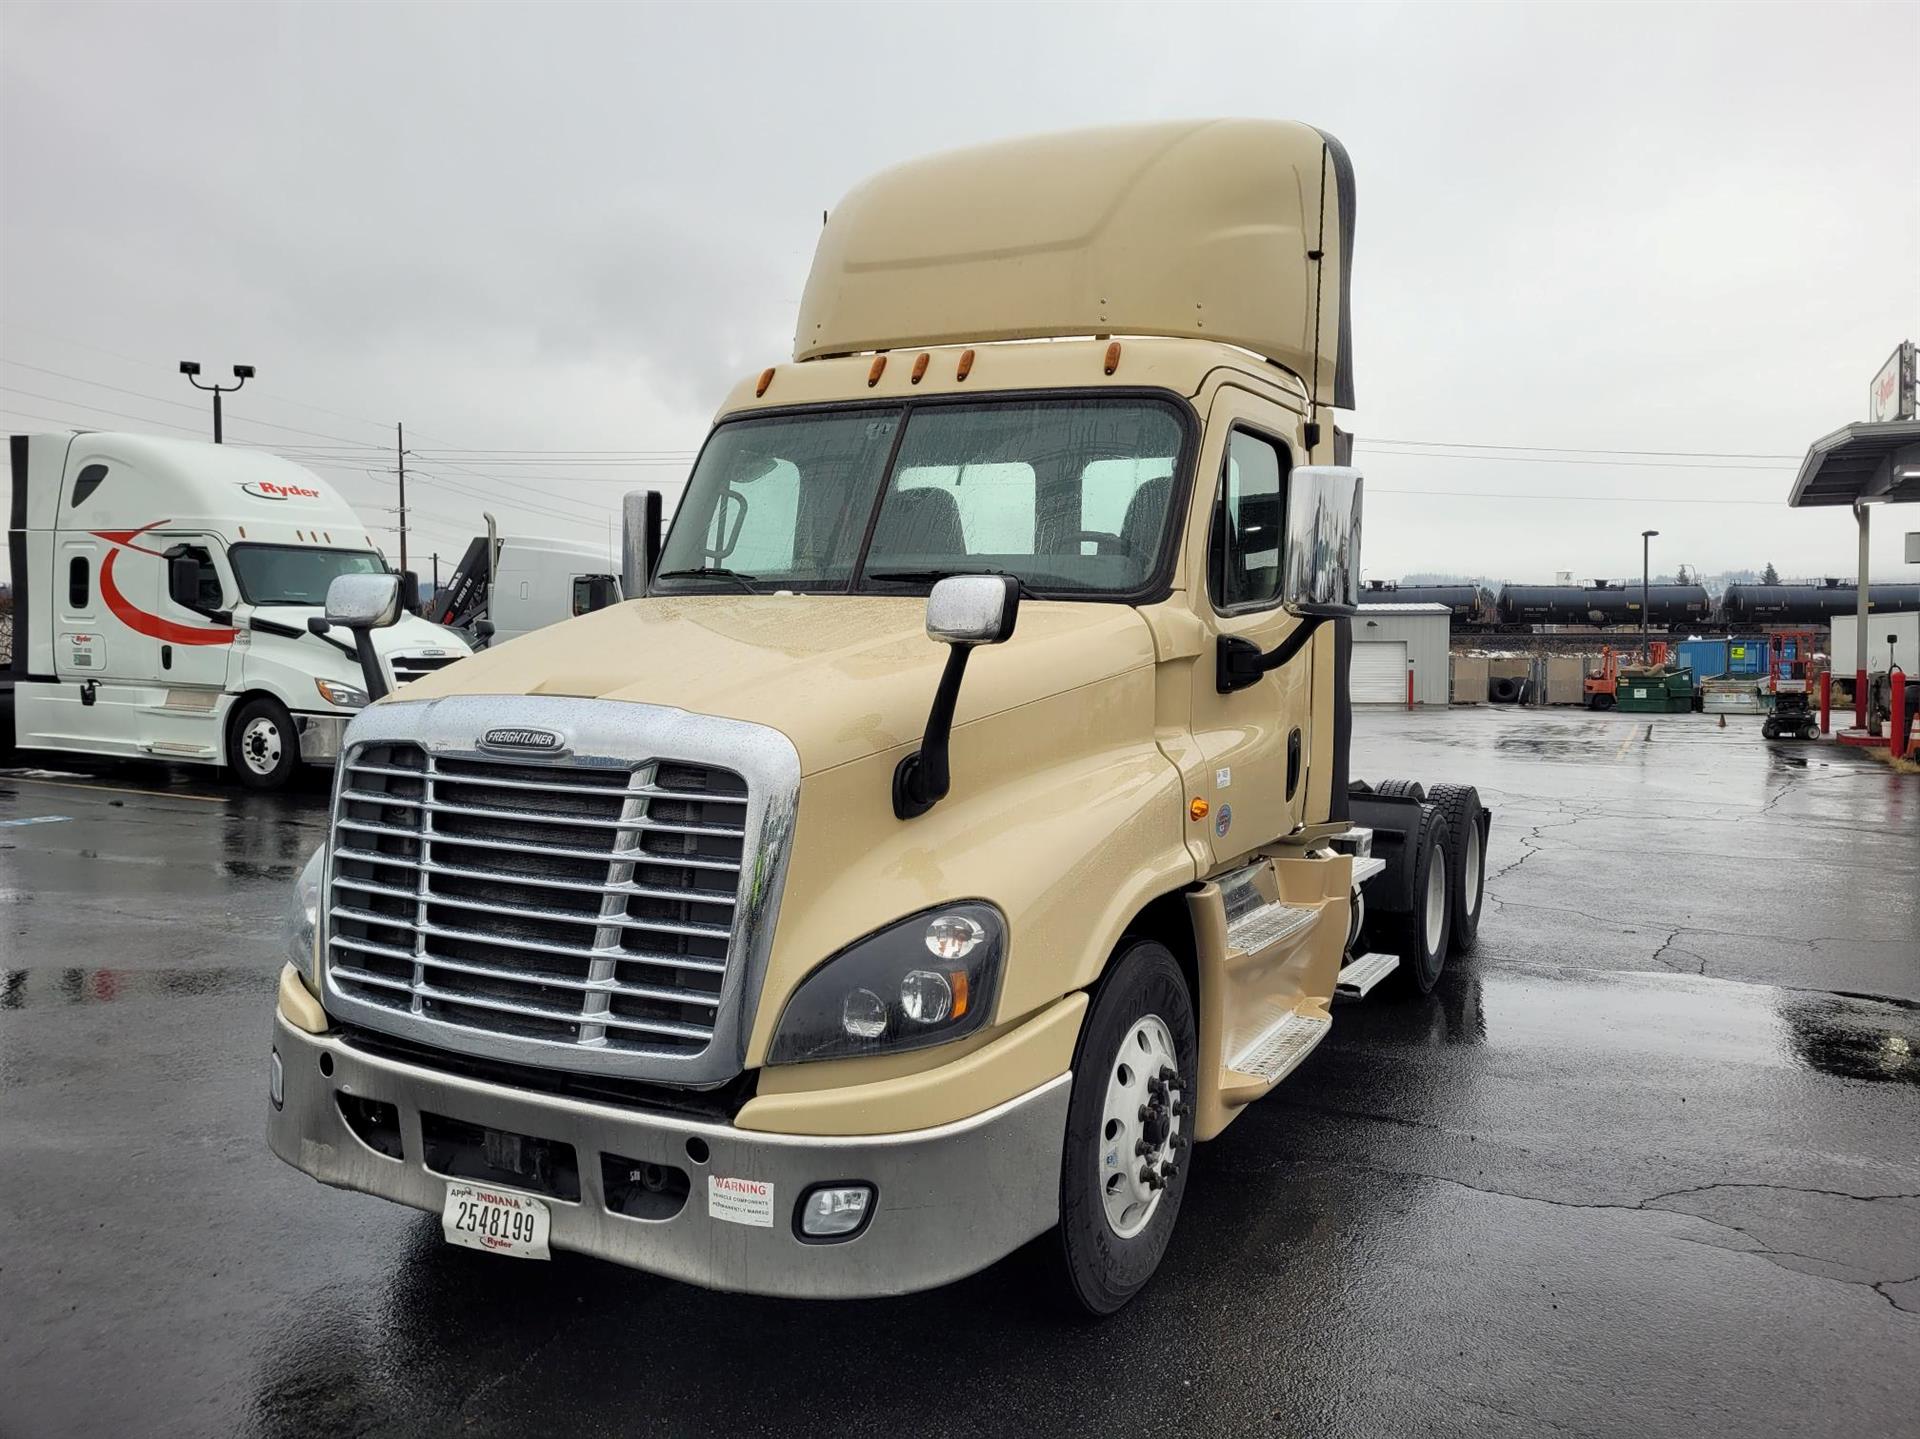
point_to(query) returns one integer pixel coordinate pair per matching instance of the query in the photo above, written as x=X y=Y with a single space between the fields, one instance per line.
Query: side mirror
x=1320 y=573
x=183 y=579
x=410 y=591
x=973 y=609
x=962 y=611
x=603 y=591
x=483 y=632
x=642 y=529
x=364 y=602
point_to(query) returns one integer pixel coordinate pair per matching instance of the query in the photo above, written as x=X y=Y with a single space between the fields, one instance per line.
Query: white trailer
x=1905 y=648
x=526 y=585
x=162 y=596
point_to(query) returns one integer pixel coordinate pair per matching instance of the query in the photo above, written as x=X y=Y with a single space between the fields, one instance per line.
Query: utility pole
x=1646 y=549
x=241 y=374
x=400 y=444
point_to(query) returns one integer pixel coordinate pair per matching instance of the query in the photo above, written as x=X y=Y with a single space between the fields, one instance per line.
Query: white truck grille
x=581 y=905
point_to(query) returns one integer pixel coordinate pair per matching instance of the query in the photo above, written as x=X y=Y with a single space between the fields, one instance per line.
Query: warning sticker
x=740 y=1201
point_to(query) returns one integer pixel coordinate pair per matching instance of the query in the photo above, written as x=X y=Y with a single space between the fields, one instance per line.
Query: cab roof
x=1233 y=231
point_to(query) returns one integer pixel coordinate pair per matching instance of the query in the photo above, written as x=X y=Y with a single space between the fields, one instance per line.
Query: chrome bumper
x=320 y=736
x=951 y=1200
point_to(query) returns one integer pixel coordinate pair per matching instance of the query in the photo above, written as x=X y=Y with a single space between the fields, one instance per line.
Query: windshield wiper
x=935 y=576
x=711 y=572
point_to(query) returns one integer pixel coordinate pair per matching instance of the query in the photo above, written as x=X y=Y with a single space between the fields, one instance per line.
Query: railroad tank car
x=1809 y=604
x=1469 y=603
x=1605 y=604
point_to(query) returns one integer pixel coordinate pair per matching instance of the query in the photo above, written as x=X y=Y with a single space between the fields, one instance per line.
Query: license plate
x=495 y=1220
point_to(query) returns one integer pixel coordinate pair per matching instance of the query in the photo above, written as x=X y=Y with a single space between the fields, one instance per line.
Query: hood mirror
x=962 y=611
x=364 y=602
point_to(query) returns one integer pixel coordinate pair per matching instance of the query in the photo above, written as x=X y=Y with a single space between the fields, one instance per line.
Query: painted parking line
x=1627 y=743
x=35 y=819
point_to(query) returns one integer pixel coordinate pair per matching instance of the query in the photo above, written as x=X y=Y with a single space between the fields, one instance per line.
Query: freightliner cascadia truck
x=958 y=829
x=167 y=599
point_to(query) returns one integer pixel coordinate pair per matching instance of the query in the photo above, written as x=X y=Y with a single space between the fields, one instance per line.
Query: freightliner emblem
x=544 y=741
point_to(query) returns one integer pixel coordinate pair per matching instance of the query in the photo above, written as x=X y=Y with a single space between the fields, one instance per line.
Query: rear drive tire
x=263 y=748
x=1400 y=789
x=1421 y=936
x=1114 y=1228
x=1467 y=822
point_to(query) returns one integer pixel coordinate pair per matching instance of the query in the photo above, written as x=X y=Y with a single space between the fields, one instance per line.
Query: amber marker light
x=1198 y=809
x=766 y=378
x=1113 y=357
x=879 y=366
x=920 y=368
x=966 y=365
x=958 y=979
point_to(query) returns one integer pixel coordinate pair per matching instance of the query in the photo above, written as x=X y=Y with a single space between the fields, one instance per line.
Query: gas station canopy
x=1872 y=462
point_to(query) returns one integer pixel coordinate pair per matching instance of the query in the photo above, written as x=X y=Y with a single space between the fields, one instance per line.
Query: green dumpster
x=1662 y=692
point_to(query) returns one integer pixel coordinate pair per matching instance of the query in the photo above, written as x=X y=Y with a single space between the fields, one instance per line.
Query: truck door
x=1255 y=741
x=197 y=649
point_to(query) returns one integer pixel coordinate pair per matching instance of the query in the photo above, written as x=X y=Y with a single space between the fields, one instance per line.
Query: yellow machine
x=959 y=827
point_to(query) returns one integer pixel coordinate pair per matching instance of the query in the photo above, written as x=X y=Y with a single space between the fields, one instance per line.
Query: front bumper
x=951 y=1200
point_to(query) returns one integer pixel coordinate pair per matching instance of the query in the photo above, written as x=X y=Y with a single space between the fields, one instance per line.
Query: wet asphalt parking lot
x=1648 y=1163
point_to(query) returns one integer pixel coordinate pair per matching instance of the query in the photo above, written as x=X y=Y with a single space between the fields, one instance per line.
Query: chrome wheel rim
x=1141 y=1126
x=260 y=745
x=1436 y=917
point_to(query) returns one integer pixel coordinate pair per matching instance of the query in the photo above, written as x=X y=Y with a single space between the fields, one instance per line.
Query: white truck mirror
x=364 y=602
x=1321 y=575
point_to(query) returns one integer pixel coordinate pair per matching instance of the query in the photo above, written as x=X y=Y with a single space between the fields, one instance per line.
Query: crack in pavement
x=1660 y=954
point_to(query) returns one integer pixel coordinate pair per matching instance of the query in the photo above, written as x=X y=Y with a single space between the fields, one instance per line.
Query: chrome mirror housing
x=973 y=609
x=364 y=602
x=1321 y=574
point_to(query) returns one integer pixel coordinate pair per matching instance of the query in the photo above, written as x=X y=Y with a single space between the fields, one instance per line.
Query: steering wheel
x=1101 y=541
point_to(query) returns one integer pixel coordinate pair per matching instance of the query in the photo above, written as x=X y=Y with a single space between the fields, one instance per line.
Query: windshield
x=296 y=574
x=1071 y=495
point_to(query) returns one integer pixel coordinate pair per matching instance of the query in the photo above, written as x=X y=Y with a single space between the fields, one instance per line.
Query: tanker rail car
x=1614 y=605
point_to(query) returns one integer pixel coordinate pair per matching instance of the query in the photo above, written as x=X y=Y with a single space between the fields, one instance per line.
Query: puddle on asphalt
x=1854 y=1038
x=32 y=988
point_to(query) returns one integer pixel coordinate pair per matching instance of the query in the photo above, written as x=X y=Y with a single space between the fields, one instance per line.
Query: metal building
x=1387 y=639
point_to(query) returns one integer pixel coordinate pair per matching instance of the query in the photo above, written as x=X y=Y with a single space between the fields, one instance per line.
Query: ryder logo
x=268 y=490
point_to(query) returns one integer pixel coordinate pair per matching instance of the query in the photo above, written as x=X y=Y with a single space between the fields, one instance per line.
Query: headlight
x=925 y=980
x=348 y=697
x=303 y=920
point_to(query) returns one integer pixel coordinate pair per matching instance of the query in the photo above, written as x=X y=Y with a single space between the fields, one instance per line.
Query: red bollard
x=1860 y=698
x=1826 y=701
x=1409 y=686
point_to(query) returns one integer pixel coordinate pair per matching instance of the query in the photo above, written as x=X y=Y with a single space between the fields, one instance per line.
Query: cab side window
x=1243 y=553
x=209 y=594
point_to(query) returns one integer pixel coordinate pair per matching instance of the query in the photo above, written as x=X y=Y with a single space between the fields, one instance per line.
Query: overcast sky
x=543 y=228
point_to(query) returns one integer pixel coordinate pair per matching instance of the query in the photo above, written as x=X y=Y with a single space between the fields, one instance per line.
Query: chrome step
x=1282 y=1047
x=1366 y=869
x=1358 y=979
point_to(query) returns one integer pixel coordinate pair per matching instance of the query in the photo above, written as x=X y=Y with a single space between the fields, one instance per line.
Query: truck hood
x=842 y=676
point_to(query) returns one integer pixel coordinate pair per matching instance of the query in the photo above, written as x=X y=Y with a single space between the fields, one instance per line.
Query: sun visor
x=1197 y=229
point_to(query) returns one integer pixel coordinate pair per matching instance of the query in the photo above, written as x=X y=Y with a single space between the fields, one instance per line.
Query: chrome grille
x=585 y=905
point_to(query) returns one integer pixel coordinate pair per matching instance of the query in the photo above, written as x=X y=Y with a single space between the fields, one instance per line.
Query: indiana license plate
x=495 y=1220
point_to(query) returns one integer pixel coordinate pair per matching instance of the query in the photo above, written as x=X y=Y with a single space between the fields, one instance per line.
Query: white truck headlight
x=926 y=980
x=348 y=697
x=303 y=919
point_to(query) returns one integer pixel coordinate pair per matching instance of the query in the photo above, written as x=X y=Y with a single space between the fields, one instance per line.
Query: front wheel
x=1129 y=1129
x=263 y=747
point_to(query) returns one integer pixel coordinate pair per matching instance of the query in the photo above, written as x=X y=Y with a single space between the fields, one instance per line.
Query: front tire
x=1130 y=1117
x=263 y=747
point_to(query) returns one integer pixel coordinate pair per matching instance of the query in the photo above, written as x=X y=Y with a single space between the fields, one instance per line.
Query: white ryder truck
x=168 y=599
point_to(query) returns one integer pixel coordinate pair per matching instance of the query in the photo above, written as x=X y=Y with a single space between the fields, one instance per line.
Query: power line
x=1577 y=450
x=1609 y=464
x=1583 y=499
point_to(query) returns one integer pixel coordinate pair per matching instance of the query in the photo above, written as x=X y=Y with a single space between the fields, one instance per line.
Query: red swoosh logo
x=137 y=619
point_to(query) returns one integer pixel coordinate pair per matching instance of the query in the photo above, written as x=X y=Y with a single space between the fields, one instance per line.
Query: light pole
x=1646 y=550
x=241 y=374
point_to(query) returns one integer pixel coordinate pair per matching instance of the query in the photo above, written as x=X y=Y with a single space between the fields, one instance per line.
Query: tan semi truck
x=959 y=827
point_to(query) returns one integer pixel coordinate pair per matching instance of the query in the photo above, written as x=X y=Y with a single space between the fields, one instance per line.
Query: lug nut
x=1168 y=1074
